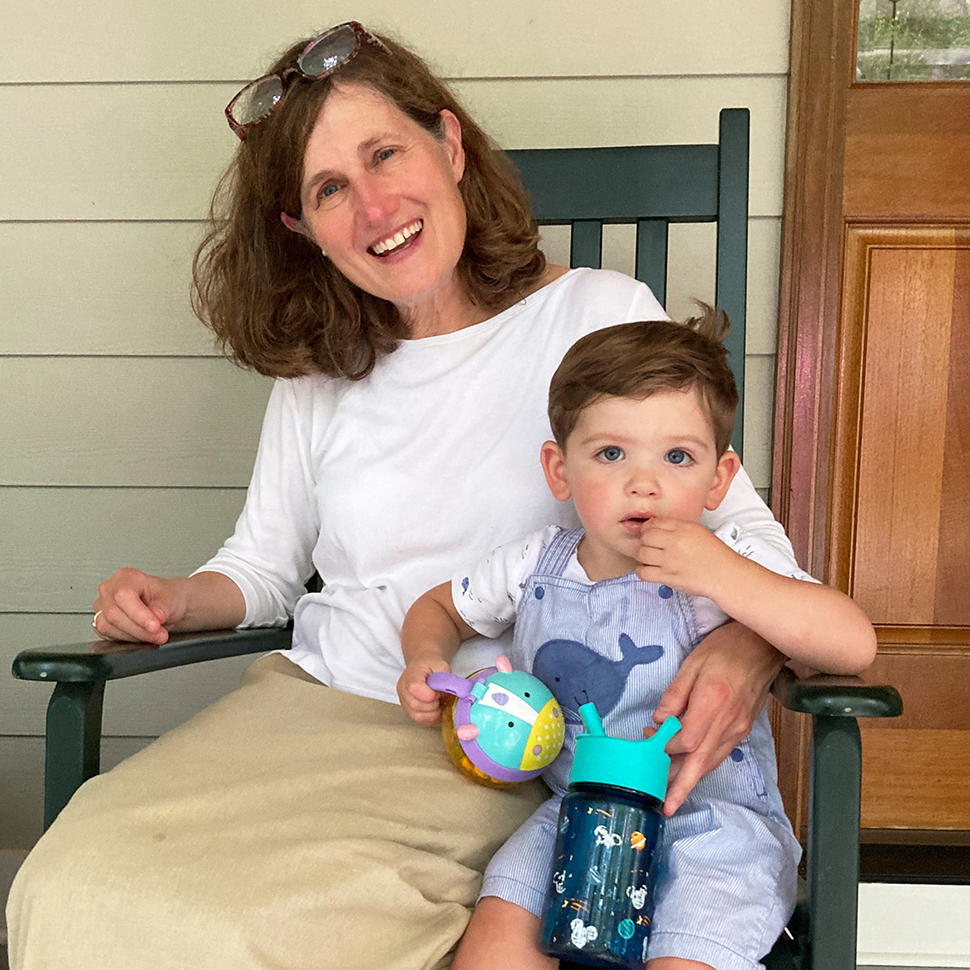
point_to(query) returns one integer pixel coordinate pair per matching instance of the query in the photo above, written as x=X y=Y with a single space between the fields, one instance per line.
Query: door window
x=913 y=40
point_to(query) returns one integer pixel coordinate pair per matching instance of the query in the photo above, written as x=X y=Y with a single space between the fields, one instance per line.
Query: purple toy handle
x=450 y=684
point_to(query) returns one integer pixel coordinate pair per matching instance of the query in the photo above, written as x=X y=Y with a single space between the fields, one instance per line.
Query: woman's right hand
x=717 y=693
x=135 y=606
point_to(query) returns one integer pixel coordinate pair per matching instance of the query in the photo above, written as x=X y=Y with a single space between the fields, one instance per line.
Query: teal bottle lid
x=642 y=765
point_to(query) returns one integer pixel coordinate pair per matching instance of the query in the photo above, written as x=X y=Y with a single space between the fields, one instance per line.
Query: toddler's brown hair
x=638 y=359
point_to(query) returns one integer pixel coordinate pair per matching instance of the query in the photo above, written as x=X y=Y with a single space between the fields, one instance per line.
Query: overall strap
x=555 y=556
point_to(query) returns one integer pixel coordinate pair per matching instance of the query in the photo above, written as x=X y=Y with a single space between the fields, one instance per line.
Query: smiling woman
x=304 y=820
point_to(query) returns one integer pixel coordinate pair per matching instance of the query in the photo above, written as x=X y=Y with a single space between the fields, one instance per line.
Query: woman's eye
x=328 y=190
x=677 y=456
x=384 y=154
x=610 y=453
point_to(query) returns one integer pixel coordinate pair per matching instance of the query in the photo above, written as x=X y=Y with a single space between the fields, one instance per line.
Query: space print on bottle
x=601 y=893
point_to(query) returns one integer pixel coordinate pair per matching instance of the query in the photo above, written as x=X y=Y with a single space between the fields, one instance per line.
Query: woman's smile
x=393 y=243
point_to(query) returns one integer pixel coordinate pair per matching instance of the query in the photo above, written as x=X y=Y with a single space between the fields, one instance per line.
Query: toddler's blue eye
x=611 y=453
x=677 y=456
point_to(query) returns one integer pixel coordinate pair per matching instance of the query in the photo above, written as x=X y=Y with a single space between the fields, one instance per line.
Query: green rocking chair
x=650 y=187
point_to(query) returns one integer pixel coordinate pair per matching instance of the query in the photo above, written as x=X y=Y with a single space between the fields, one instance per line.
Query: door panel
x=901 y=509
x=900 y=520
x=906 y=150
x=902 y=768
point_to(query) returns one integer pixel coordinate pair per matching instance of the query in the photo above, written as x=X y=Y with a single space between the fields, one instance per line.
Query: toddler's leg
x=502 y=936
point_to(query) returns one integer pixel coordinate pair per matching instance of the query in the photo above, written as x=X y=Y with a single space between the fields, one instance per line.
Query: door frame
x=821 y=65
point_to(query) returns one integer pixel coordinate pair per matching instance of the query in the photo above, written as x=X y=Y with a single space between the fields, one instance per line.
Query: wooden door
x=872 y=437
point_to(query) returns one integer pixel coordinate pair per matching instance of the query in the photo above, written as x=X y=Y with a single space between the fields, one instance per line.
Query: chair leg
x=73 y=746
x=833 y=843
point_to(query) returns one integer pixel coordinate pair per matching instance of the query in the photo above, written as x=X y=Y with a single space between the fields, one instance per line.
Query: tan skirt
x=287 y=826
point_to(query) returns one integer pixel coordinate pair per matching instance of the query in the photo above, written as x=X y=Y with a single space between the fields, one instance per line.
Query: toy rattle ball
x=502 y=726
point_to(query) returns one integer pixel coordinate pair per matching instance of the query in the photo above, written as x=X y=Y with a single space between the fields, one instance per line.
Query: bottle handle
x=665 y=732
x=449 y=684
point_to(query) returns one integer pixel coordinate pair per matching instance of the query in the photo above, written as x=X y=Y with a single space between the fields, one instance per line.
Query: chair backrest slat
x=652 y=186
x=586 y=243
x=651 y=255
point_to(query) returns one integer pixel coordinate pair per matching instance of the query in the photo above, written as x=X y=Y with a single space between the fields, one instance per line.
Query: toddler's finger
x=420 y=691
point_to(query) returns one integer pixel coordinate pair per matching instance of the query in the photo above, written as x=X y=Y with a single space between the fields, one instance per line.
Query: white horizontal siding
x=129 y=421
x=59 y=543
x=139 y=40
x=118 y=288
x=137 y=163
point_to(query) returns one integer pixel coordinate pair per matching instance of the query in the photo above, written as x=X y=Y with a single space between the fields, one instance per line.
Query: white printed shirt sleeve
x=755 y=547
x=487 y=596
x=743 y=507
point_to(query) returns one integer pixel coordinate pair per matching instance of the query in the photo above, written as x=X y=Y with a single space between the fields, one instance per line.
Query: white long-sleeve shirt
x=385 y=486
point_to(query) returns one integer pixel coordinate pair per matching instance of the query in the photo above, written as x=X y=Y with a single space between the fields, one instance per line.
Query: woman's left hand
x=717 y=693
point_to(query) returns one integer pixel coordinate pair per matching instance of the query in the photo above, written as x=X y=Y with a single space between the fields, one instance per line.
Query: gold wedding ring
x=94 y=621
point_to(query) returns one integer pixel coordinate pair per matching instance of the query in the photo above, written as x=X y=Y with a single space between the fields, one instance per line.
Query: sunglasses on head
x=322 y=56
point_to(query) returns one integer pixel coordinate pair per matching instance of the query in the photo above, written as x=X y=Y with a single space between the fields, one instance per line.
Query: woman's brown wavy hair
x=274 y=302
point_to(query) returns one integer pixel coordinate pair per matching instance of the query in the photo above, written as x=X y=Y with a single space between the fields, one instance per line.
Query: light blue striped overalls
x=727 y=861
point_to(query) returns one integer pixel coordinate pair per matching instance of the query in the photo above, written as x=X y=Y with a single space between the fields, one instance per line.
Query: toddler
x=642 y=415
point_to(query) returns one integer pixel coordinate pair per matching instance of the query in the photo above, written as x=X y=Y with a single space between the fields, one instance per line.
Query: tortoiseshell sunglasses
x=326 y=53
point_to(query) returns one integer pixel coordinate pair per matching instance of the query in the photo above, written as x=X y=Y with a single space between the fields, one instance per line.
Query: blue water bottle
x=600 y=903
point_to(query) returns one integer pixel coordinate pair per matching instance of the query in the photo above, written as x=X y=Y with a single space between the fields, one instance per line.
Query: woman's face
x=380 y=197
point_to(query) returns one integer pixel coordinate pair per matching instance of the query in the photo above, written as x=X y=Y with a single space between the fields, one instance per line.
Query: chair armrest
x=102 y=660
x=831 y=695
x=79 y=672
